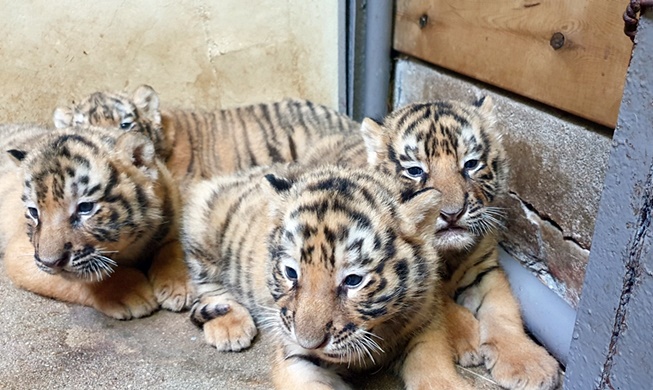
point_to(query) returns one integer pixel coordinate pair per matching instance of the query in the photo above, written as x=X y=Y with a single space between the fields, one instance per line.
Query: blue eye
x=415 y=171
x=353 y=280
x=291 y=273
x=471 y=164
x=126 y=125
x=85 y=208
x=33 y=212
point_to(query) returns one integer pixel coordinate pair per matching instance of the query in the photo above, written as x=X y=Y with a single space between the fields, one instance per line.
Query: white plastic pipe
x=548 y=317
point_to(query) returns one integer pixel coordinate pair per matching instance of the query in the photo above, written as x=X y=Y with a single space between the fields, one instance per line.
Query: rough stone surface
x=45 y=344
x=557 y=168
x=196 y=53
x=531 y=239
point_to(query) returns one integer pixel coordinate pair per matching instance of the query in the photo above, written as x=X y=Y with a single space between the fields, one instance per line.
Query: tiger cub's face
x=350 y=270
x=138 y=113
x=454 y=148
x=88 y=196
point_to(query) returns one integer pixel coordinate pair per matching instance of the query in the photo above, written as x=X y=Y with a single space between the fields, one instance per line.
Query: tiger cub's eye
x=33 y=212
x=471 y=164
x=85 y=208
x=291 y=273
x=353 y=280
x=415 y=171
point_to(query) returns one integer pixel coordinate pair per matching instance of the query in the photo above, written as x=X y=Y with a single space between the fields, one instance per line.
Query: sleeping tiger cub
x=84 y=213
x=334 y=262
x=197 y=144
x=455 y=148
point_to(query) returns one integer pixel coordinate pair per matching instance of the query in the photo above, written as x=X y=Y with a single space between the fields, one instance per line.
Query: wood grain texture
x=507 y=43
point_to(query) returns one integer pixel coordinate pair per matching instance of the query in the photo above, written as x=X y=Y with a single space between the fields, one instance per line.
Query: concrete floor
x=45 y=344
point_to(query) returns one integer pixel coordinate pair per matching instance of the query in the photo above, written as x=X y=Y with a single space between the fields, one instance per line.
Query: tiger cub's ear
x=63 y=117
x=17 y=156
x=485 y=105
x=375 y=140
x=420 y=210
x=147 y=101
x=138 y=150
x=279 y=184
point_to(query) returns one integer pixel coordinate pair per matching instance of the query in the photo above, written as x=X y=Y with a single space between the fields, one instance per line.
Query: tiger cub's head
x=353 y=267
x=90 y=199
x=138 y=113
x=454 y=148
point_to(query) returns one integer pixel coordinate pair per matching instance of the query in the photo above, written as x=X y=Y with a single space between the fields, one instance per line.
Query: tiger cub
x=334 y=262
x=84 y=212
x=455 y=148
x=198 y=144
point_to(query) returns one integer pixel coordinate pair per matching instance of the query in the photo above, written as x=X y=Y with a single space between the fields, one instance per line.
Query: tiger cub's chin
x=83 y=212
x=334 y=261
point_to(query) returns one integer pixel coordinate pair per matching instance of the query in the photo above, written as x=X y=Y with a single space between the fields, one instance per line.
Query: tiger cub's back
x=230 y=140
x=200 y=144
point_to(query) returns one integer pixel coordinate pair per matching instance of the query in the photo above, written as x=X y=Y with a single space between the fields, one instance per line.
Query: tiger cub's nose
x=54 y=261
x=453 y=214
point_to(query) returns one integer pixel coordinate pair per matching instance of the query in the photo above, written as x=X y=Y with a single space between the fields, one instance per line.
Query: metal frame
x=365 y=57
x=611 y=347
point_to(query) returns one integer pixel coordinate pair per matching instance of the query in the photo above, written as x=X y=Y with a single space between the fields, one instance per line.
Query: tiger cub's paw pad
x=523 y=365
x=233 y=331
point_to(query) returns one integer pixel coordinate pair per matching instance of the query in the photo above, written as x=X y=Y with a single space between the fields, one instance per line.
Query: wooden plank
x=507 y=43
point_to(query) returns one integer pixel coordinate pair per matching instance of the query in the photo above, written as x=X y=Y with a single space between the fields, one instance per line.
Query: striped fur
x=198 y=144
x=455 y=148
x=332 y=261
x=83 y=211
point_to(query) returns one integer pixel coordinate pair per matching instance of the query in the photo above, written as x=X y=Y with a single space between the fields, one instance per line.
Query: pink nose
x=453 y=214
x=54 y=261
x=315 y=342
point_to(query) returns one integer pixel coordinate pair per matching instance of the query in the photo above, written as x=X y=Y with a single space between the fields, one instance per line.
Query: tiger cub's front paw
x=172 y=291
x=125 y=295
x=521 y=365
x=233 y=331
x=465 y=336
x=170 y=282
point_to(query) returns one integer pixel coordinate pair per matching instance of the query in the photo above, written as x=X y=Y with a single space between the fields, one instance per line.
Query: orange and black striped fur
x=455 y=148
x=90 y=217
x=333 y=261
x=197 y=144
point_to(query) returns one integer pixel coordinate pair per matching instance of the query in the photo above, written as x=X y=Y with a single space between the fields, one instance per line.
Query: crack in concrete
x=204 y=17
x=546 y=218
x=631 y=276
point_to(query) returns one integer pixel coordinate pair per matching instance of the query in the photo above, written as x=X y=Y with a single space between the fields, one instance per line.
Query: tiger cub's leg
x=464 y=334
x=227 y=324
x=169 y=276
x=514 y=360
x=126 y=294
x=296 y=372
x=429 y=363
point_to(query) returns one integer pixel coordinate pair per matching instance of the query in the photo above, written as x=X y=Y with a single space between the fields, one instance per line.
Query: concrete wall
x=557 y=168
x=193 y=52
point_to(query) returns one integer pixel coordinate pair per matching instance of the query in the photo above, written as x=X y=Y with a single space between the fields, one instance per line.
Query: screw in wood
x=557 y=40
x=423 y=20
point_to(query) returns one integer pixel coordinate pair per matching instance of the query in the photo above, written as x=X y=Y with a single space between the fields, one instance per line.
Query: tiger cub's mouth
x=451 y=229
